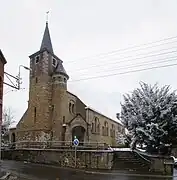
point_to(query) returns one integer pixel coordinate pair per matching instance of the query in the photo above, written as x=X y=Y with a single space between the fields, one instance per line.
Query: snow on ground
x=142 y=150
x=121 y=149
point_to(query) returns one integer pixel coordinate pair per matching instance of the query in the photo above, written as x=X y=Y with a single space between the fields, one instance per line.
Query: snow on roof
x=13 y=125
x=117 y=121
x=88 y=107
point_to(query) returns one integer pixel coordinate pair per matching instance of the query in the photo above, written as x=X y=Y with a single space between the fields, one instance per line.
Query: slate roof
x=46 y=41
x=60 y=69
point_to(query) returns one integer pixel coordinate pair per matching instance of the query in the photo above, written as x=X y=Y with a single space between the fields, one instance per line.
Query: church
x=55 y=114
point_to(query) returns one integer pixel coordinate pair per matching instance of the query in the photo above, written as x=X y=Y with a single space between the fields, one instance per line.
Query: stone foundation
x=63 y=158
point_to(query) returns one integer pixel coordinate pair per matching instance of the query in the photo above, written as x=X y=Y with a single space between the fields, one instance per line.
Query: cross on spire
x=47 y=16
x=46 y=41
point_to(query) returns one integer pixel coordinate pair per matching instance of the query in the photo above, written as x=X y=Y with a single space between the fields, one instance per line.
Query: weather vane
x=47 y=16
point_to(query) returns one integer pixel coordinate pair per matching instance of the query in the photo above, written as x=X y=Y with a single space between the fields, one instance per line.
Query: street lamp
x=19 y=75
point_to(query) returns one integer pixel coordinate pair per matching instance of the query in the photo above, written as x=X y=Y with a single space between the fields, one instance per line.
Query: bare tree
x=7 y=121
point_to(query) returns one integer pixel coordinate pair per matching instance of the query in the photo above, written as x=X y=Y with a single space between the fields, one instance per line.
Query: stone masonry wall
x=90 y=159
x=99 y=136
x=35 y=125
x=85 y=159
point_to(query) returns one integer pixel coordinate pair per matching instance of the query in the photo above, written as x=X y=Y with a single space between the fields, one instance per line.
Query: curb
x=106 y=173
x=129 y=174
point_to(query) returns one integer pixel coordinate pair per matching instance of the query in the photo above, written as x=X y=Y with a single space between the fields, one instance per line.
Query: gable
x=78 y=120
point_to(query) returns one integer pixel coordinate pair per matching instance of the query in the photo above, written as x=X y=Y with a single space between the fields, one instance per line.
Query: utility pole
x=14 y=82
x=17 y=79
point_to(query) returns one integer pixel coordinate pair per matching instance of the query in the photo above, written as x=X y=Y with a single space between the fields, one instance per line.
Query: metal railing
x=141 y=156
x=56 y=145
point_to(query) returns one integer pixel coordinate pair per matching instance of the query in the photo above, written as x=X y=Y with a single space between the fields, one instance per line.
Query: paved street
x=44 y=172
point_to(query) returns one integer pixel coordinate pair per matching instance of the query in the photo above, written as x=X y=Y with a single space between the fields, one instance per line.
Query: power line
x=127 y=72
x=116 y=62
x=8 y=92
x=145 y=63
x=129 y=48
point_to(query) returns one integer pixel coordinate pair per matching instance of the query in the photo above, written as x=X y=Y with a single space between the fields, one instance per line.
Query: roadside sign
x=76 y=142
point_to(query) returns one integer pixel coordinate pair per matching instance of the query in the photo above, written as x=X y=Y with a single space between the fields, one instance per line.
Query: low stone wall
x=64 y=158
x=158 y=163
x=94 y=159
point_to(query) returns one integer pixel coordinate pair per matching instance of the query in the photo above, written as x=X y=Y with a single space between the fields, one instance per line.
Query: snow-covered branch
x=150 y=116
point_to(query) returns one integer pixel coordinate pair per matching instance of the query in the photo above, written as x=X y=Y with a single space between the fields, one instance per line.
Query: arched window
x=97 y=126
x=92 y=128
x=112 y=131
x=73 y=110
x=70 y=107
x=95 y=122
x=106 y=128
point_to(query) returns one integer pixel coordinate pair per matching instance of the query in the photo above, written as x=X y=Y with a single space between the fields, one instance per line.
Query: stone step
x=134 y=159
x=133 y=169
x=129 y=160
x=131 y=164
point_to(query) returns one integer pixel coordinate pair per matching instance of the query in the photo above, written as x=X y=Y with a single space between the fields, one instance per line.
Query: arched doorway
x=79 y=132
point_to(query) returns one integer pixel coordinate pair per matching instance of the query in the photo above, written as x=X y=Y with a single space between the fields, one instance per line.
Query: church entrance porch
x=79 y=133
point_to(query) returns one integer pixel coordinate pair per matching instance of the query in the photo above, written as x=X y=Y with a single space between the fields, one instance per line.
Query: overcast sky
x=85 y=28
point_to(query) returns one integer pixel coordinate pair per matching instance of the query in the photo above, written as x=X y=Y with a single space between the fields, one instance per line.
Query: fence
x=56 y=145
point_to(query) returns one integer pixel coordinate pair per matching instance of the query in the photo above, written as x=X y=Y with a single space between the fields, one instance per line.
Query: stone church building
x=54 y=113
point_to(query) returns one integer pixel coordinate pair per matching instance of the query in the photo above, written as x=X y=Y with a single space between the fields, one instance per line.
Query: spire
x=46 y=41
x=60 y=69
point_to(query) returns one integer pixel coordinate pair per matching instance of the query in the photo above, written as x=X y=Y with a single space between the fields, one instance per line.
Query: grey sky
x=83 y=28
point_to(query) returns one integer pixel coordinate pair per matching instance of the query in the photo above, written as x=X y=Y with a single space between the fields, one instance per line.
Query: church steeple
x=46 y=41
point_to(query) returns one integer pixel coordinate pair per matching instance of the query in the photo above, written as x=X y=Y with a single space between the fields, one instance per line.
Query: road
x=33 y=171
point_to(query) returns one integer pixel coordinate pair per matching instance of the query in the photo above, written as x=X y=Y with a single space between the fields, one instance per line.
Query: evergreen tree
x=150 y=116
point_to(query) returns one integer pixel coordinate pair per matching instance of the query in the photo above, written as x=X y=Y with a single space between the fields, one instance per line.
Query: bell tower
x=43 y=64
x=48 y=90
x=42 y=120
